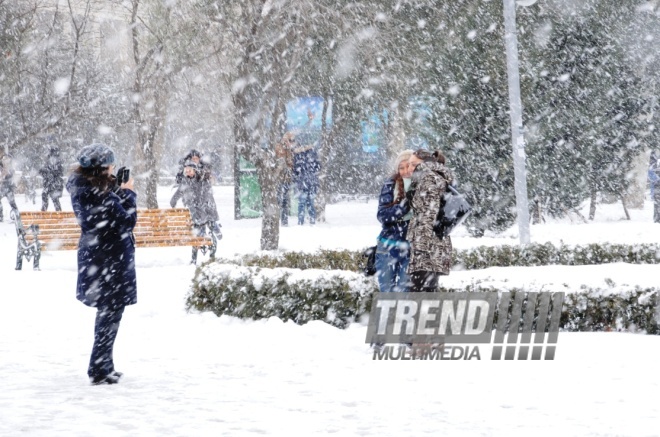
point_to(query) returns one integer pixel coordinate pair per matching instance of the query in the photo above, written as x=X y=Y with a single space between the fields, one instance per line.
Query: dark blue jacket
x=305 y=171
x=394 y=228
x=106 y=251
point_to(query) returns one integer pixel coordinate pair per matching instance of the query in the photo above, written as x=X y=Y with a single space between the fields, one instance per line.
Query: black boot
x=104 y=379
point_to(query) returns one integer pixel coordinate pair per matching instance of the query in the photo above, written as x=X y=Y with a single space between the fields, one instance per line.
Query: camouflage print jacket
x=429 y=253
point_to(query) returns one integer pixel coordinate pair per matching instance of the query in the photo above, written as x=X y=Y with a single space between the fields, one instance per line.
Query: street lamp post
x=517 y=137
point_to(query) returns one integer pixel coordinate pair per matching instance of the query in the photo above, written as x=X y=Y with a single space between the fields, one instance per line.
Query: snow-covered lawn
x=200 y=375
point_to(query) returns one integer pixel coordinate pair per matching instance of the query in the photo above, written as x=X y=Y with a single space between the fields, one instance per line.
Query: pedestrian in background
x=306 y=166
x=7 y=184
x=654 y=179
x=52 y=174
x=284 y=156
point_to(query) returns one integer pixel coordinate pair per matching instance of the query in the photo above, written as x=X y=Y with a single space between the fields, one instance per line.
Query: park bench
x=47 y=230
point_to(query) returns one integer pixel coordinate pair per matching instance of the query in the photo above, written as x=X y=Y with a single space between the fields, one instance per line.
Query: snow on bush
x=334 y=296
x=477 y=258
x=340 y=297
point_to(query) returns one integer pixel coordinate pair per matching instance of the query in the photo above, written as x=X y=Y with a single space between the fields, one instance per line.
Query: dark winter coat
x=52 y=174
x=306 y=166
x=6 y=180
x=197 y=194
x=391 y=216
x=106 y=251
x=428 y=252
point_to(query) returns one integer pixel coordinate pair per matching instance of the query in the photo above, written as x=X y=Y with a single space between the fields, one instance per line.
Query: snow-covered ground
x=200 y=375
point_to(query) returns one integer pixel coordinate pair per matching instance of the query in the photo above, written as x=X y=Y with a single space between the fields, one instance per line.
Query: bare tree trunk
x=270 y=220
x=625 y=208
x=592 y=204
x=322 y=197
x=237 y=183
x=270 y=225
x=153 y=151
x=634 y=196
x=151 y=171
x=149 y=108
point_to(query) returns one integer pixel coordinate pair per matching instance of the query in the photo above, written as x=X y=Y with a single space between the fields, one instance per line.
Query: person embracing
x=106 y=251
x=430 y=255
x=394 y=213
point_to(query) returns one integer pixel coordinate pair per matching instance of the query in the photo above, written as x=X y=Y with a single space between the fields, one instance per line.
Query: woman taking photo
x=392 y=250
x=106 y=251
x=430 y=255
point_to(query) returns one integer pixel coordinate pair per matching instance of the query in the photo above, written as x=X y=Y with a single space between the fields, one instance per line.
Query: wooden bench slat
x=75 y=233
x=146 y=243
x=54 y=225
x=154 y=228
x=76 y=237
x=60 y=231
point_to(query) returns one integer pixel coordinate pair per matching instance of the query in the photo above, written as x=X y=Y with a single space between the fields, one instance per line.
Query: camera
x=123 y=175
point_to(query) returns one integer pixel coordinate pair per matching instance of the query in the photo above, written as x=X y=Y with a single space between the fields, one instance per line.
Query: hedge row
x=339 y=297
x=478 y=258
x=549 y=254
x=335 y=297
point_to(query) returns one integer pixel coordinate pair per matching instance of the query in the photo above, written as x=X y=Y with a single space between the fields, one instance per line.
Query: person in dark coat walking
x=654 y=177
x=306 y=166
x=394 y=213
x=197 y=193
x=7 y=184
x=106 y=251
x=52 y=174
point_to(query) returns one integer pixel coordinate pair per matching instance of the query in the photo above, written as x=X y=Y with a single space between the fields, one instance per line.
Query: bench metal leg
x=214 y=246
x=19 y=258
x=37 y=257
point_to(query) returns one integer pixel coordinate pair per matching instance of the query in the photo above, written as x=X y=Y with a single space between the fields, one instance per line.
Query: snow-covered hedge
x=321 y=259
x=549 y=254
x=333 y=296
x=629 y=309
x=477 y=258
x=340 y=297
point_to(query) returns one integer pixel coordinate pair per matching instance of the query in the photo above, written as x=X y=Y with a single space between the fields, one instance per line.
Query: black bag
x=369 y=269
x=453 y=210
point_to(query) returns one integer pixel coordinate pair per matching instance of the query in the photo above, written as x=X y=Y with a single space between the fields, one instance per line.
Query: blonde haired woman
x=392 y=250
